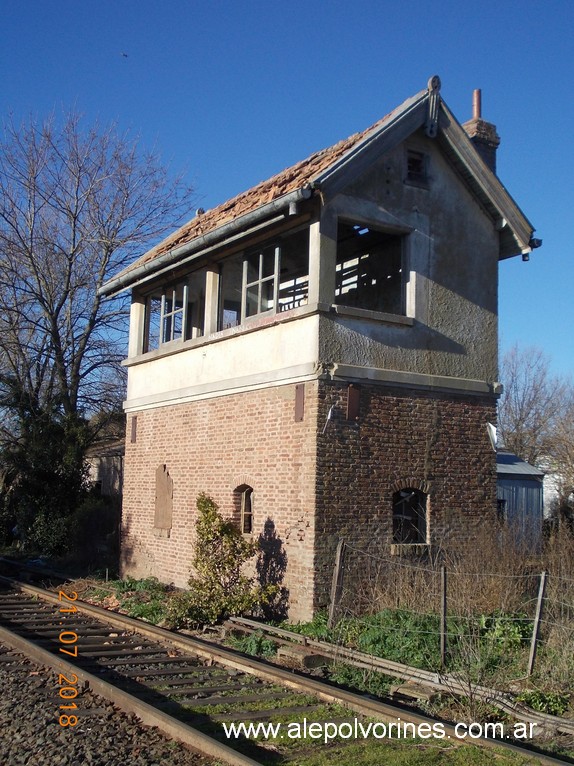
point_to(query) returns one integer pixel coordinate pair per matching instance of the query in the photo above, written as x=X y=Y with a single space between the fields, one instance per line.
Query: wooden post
x=536 y=626
x=337 y=582
x=443 y=616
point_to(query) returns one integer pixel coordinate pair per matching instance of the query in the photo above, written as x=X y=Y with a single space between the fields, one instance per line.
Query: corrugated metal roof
x=509 y=463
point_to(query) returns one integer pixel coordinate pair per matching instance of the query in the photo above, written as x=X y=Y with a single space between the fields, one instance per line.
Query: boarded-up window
x=299 y=402
x=163 y=502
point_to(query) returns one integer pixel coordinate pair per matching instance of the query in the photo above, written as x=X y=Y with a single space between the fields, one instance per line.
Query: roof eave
x=511 y=219
x=250 y=221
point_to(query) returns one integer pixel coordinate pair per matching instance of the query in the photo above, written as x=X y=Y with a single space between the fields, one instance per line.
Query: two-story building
x=319 y=354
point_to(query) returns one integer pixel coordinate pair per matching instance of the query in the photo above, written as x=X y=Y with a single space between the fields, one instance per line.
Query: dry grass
x=491 y=576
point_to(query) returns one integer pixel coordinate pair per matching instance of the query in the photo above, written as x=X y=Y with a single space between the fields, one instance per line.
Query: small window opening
x=243 y=508
x=409 y=516
x=369 y=270
x=417 y=164
x=247 y=511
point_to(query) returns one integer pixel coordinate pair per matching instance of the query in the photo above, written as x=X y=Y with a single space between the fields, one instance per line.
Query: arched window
x=243 y=497
x=409 y=516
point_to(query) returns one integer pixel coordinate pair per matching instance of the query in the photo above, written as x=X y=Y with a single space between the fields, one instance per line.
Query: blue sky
x=232 y=92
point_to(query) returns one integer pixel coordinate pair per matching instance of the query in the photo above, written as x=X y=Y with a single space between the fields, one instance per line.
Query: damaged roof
x=307 y=175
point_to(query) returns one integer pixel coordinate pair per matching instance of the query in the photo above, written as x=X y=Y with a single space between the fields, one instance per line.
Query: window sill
x=268 y=319
x=409 y=549
x=375 y=316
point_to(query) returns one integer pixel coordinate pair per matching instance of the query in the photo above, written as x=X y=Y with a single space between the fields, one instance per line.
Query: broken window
x=294 y=271
x=176 y=312
x=417 y=168
x=271 y=278
x=261 y=281
x=409 y=516
x=369 y=270
x=243 y=501
x=230 y=287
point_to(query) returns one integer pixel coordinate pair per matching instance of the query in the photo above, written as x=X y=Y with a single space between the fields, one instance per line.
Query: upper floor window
x=261 y=281
x=417 y=168
x=370 y=269
x=176 y=312
x=271 y=278
x=409 y=516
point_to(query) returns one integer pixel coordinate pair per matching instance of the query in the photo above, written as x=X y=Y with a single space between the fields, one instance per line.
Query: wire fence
x=493 y=606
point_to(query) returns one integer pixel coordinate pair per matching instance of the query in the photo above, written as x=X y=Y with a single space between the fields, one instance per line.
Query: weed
x=554 y=703
x=255 y=644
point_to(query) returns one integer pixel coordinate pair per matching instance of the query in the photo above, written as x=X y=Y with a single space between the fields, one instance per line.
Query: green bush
x=554 y=703
x=218 y=589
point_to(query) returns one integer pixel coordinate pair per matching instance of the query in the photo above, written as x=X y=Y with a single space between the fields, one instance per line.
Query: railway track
x=187 y=687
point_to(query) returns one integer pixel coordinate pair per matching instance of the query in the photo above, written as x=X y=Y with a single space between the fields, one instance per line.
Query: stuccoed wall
x=453 y=281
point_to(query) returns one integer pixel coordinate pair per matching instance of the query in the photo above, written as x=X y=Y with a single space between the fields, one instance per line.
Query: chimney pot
x=482 y=133
x=477 y=104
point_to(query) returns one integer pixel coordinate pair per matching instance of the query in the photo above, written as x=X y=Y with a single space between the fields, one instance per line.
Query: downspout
x=288 y=202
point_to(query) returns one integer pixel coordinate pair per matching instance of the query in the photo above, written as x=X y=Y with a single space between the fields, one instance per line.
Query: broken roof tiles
x=295 y=177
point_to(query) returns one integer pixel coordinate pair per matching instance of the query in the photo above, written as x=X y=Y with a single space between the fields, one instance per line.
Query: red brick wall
x=435 y=442
x=213 y=446
x=314 y=487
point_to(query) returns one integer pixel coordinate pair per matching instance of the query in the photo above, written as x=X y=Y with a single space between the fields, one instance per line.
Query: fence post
x=443 y=616
x=337 y=582
x=536 y=626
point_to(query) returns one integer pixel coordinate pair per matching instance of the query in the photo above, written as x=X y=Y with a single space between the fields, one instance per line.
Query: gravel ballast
x=31 y=734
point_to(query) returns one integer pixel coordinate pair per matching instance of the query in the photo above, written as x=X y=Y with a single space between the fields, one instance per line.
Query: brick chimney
x=482 y=134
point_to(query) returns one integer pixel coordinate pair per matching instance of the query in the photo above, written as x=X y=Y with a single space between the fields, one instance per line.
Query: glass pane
x=253 y=268
x=177 y=325
x=251 y=302
x=167 y=326
x=153 y=321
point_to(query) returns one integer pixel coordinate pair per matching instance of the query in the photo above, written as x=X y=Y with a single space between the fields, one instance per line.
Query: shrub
x=554 y=703
x=218 y=589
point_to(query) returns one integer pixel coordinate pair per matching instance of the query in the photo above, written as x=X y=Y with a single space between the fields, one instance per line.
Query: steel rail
x=148 y=714
x=360 y=704
x=440 y=681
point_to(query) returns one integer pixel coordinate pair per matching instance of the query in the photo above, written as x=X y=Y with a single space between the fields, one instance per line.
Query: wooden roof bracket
x=431 y=124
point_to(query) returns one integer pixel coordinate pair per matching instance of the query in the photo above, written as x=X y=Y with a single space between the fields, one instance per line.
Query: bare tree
x=75 y=207
x=531 y=404
x=536 y=418
x=561 y=459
